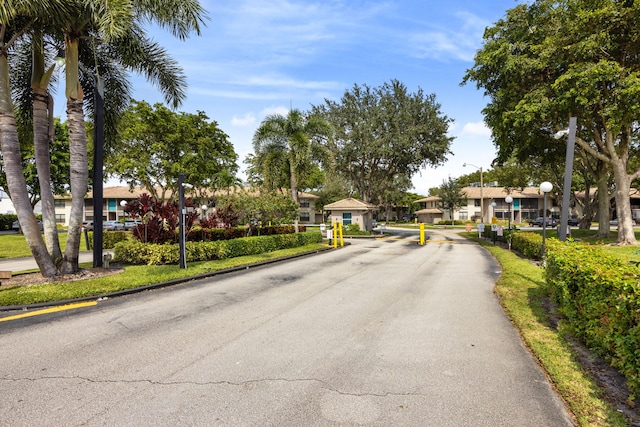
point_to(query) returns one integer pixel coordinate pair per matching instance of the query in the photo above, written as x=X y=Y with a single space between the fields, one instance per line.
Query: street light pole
x=568 y=172
x=545 y=187
x=98 y=164
x=181 y=212
x=481 y=187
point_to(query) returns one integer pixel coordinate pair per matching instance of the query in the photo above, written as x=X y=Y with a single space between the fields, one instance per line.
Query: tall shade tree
x=385 y=135
x=548 y=60
x=157 y=144
x=290 y=146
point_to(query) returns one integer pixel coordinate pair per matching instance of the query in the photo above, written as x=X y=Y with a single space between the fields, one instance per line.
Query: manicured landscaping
x=522 y=292
x=136 y=276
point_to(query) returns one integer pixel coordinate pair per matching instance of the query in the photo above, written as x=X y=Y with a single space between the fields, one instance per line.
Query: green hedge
x=528 y=244
x=109 y=238
x=600 y=297
x=6 y=220
x=135 y=252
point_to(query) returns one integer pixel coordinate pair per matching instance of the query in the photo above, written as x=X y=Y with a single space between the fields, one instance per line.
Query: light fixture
x=509 y=200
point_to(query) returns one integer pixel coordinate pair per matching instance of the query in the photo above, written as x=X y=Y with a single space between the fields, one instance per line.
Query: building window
x=60 y=218
x=463 y=215
x=58 y=204
x=476 y=203
x=346 y=218
x=304 y=216
x=304 y=203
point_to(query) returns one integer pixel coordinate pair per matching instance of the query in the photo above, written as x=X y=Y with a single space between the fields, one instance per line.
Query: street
x=381 y=332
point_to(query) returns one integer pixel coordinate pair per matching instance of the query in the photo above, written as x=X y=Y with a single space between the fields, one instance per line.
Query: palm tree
x=289 y=146
x=16 y=19
x=109 y=37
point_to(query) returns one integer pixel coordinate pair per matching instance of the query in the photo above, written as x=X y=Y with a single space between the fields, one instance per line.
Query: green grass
x=522 y=294
x=15 y=245
x=133 y=277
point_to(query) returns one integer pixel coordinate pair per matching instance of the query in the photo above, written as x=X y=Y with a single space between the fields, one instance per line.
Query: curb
x=157 y=285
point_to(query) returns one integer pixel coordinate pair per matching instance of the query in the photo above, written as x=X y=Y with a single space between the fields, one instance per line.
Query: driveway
x=381 y=332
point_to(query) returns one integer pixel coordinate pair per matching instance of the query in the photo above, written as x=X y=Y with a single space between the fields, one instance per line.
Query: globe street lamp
x=509 y=200
x=545 y=187
x=481 y=186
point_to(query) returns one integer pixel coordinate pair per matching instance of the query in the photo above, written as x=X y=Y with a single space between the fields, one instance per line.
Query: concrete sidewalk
x=22 y=264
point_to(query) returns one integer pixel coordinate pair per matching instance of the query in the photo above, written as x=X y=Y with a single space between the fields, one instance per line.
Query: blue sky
x=257 y=57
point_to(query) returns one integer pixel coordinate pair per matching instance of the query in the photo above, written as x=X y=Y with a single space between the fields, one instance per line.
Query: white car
x=112 y=225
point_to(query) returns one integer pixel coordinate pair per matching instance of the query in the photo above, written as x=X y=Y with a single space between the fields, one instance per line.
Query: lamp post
x=123 y=203
x=181 y=211
x=568 y=172
x=545 y=187
x=509 y=200
x=481 y=186
x=493 y=226
x=98 y=164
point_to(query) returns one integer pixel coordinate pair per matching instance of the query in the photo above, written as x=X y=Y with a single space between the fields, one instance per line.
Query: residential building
x=527 y=204
x=352 y=211
x=112 y=209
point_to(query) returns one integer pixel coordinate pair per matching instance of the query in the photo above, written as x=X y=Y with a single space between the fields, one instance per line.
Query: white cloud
x=283 y=111
x=458 y=41
x=247 y=120
x=476 y=129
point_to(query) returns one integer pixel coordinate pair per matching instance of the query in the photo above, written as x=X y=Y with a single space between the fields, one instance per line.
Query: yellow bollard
x=335 y=235
x=341 y=237
x=421 y=234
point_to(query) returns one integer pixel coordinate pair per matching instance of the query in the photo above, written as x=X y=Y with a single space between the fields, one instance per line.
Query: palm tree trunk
x=16 y=184
x=294 y=185
x=79 y=169
x=43 y=165
x=41 y=131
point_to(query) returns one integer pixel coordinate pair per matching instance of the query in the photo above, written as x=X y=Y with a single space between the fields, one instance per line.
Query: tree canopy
x=548 y=60
x=451 y=196
x=384 y=135
x=289 y=150
x=157 y=144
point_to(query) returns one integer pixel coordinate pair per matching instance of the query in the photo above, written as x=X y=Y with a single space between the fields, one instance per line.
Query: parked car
x=538 y=222
x=574 y=222
x=131 y=223
x=112 y=225
x=87 y=225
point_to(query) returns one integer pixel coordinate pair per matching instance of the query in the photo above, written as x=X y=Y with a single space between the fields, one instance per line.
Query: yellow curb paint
x=50 y=310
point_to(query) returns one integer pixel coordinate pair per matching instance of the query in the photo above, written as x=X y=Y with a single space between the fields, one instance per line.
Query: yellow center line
x=50 y=310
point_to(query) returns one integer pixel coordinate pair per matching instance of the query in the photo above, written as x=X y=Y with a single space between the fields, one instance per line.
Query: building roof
x=350 y=204
x=494 y=193
x=124 y=192
x=429 y=211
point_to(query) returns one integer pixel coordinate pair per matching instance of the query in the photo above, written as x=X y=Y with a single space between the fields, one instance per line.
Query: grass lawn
x=15 y=245
x=133 y=277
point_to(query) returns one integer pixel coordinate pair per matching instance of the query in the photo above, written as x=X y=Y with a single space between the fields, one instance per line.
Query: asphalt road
x=382 y=332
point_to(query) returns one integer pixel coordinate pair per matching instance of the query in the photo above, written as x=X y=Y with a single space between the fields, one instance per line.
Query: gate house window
x=346 y=218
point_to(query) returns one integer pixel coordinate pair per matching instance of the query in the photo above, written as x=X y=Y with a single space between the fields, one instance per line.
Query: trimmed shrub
x=528 y=244
x=131 y=252
x=109 y=238
x=600 y=297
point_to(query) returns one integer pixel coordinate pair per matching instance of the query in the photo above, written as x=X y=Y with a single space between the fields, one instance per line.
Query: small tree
x=160 y=219
x=452 y=197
